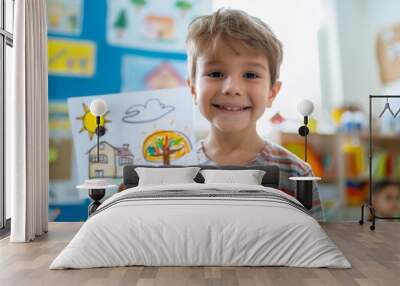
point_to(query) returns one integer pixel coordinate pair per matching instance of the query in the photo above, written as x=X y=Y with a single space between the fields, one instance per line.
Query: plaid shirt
x=289 y=166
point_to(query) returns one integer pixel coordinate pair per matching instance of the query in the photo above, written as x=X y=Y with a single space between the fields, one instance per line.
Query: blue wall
x=107 y=77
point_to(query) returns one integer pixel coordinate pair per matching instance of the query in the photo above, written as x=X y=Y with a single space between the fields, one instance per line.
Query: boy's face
x=387 y=201
x=232 y=86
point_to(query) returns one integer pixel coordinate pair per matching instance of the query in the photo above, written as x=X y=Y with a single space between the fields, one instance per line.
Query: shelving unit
x=345 y=207
x=324 y=148
x=333 y=186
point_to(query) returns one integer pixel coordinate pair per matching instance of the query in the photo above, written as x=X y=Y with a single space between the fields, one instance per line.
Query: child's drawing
x=152 y=24
x=138 y=5
x=89 y=121
x=152 y=110
x=184 y=7
x=121 y=23
x=166 y=146
x=164 y=75
x=142 y=73
x=71 y=58
x=110 y=162
x=159 y=28
x=64 y=16
x=59 y=125
x=148 y=127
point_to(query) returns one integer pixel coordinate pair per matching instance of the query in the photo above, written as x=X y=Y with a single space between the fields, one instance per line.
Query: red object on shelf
x=389 y=165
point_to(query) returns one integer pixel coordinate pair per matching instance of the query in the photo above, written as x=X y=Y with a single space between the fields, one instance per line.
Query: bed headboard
x=270 y=179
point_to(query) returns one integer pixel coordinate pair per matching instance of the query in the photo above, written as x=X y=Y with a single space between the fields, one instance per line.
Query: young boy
x=386 y=198
x=234 y=61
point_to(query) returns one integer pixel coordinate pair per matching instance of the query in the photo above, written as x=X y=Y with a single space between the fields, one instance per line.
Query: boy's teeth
x=229 y=108
x=232 y=108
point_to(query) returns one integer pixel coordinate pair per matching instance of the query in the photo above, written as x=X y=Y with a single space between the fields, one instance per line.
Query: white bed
x=250 y=225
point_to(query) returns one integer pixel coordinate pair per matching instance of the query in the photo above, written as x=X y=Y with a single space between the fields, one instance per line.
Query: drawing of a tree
x=73 y=22
x=165 y=146
x=121 y=23
x=184 y=6
x=138 y=4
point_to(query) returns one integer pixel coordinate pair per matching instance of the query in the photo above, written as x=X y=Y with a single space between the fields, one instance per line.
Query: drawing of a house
x=54 y=13
x=163 y=76
x=159 y=27
x=111 y=160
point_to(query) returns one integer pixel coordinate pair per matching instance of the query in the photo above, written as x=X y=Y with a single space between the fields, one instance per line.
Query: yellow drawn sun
x=89 y=121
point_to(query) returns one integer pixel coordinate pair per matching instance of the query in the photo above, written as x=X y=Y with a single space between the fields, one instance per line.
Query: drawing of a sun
x=89 y=121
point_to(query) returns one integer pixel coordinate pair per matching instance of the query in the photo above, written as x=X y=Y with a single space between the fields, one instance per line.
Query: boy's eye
x=215 y=74
x=250 y=75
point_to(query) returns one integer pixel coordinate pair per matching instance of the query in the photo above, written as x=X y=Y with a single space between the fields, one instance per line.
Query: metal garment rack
x=369 y=203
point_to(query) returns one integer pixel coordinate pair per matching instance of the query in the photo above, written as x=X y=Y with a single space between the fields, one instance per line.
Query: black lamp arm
x=100 y=131
x=303 y=131
x=98 y=138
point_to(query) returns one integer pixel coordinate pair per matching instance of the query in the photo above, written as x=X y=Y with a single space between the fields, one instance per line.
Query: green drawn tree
x=73 y=22
x=138 y=4
x=184 y=6
x=121 y=22
x=165 y=146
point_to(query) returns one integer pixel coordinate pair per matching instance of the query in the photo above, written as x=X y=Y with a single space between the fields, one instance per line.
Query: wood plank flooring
x=374 y=255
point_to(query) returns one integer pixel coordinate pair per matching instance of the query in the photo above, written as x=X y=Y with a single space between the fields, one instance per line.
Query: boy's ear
x=273 y=93
x=192 y=87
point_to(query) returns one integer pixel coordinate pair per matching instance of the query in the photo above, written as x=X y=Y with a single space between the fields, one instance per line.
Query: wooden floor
x=374 y=255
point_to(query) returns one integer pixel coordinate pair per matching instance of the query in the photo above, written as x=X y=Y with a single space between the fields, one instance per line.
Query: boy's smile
x=232 y=86
x=231 y=108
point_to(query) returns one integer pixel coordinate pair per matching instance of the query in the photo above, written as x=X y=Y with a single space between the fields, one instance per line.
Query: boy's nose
x=231 y=86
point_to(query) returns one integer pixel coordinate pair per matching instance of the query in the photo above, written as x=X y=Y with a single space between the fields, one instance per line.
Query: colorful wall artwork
x=71 y=58
x=59 y=124
x=149 y=127
x=65 y=16
x=91 y=53
x=151 y=24
x=146 y=73
x=166 y=146
x=60 y=143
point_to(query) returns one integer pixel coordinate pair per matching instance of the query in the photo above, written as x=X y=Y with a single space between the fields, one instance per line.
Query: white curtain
x=27 y=135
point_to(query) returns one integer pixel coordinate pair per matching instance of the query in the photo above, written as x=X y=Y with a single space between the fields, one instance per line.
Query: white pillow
x=248 y=177
x=163 y=176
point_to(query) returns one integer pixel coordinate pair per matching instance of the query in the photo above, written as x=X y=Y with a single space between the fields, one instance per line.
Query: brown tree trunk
x=166 y=154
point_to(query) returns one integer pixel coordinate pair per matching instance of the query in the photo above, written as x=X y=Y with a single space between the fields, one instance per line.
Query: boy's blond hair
x=226 y=24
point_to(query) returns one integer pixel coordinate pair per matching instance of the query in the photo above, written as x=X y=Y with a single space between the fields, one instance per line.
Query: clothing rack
x=369 y=203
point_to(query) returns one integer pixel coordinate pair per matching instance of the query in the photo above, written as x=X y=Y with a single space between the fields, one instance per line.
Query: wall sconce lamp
x=305 y=184
x=305 y=108
x=98 y=107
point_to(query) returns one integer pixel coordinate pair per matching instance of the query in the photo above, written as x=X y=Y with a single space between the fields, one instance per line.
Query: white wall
x=330 y=62
x=358 y=22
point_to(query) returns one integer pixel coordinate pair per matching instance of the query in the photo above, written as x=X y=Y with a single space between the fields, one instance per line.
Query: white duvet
x=200 y=231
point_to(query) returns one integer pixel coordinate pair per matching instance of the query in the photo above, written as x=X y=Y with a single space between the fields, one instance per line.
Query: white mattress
x=200 y=231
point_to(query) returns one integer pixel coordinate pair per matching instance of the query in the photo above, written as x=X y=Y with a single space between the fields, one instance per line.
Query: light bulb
x=98 y=107
x=305 y=107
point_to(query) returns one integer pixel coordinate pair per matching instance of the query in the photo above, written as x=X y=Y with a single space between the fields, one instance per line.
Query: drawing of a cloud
x=152 y=110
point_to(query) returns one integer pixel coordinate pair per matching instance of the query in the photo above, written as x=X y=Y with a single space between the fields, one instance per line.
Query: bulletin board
x=388 y=53
x=92 y=43
x=104 y=48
